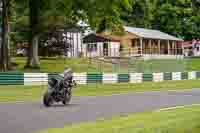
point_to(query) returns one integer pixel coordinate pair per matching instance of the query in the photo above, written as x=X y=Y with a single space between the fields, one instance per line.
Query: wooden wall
x=131 y=42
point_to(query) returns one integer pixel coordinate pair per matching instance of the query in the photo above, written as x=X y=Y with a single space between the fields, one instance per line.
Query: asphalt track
x=32 y=117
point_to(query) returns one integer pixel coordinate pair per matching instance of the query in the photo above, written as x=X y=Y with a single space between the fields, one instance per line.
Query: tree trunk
x=5 y=36
x=35 y=58
x=29 y=55
x=29 y=51
x=9 y=60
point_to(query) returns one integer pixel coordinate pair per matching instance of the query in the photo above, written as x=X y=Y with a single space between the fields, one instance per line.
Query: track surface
x=32 y=117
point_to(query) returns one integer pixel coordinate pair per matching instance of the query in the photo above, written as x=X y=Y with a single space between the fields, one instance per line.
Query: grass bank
x=54 y=64
x=85 y=65
x=183 y=120
x=32 y=93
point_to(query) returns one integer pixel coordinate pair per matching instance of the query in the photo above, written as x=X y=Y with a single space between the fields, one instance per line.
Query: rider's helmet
x=67 y=73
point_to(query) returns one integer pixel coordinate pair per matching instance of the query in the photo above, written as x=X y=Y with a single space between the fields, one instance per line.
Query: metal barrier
x=90 y=78
x=11 y=78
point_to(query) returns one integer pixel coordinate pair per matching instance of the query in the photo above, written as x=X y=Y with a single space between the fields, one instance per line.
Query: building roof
x=93 y=38
x=148 y=33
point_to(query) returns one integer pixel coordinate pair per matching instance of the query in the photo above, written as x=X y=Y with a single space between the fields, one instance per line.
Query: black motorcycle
x=59 y=90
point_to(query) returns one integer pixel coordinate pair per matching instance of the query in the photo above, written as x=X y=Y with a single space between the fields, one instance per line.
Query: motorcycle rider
x=61 y=90
x=68 y=76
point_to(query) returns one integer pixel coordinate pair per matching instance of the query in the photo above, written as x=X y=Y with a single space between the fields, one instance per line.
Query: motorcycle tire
x=67 y=98
x=47 y=99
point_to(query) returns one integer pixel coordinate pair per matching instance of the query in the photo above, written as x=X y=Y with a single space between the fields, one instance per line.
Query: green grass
x=34 y=93
x=194 y=64
x=182 y=120
x=57 y=64
x=54 y=65
x=20 y=93
x=85 y=65
x=149 y=66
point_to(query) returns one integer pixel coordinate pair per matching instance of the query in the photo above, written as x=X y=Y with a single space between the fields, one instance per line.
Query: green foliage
x=176 y=17
x=105 y=14
x=139 y=15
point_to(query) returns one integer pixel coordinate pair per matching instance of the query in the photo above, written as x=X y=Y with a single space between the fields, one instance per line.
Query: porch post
x=149 y=48
x=141 y=46
x=168 y=44
x=159 y=48
x=136 y=47
x=174 y=48
x=109 y=50
x=183 y=49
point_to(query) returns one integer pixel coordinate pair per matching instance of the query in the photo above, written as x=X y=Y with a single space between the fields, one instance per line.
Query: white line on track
x=177 y=107
x=156 y=91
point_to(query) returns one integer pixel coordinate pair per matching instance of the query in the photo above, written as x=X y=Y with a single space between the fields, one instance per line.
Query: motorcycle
x=59 y=90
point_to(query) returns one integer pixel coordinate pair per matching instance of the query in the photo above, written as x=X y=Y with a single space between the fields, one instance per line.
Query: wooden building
x=143 y=42
x=95 y=45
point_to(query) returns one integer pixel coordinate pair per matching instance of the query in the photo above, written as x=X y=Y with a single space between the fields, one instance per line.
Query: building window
x=92 y=47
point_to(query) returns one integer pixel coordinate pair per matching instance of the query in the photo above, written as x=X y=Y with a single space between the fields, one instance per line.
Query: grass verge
x=34 y=93
x=184 y=120
x=56 y=64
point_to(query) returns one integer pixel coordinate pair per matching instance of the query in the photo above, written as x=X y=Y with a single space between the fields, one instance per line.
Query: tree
x=45 y=15
x=4 y=57
x=105 y=14
x=33 y=59
x=176 y=17
x=168 y=19
x=139 y=16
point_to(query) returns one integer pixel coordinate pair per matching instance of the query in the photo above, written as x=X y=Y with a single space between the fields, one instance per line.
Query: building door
x=105 y=49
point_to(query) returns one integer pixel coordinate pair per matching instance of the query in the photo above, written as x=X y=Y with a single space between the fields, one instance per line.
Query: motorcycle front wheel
x=47 y=99
x=67 y=98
